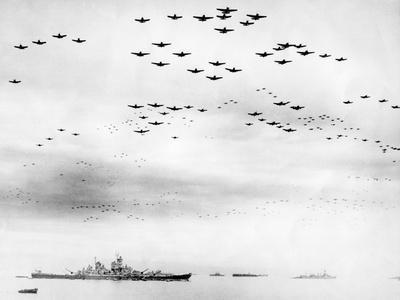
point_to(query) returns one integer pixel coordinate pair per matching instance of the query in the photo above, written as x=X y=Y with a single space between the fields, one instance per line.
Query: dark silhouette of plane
x=75 y=134
x=174 y=17
x=281 y=103
x=383 y=101
x=263 y=54
x=223 y=30
x=233 y=70
x=174 y=137
x=14 y=81
x=325 y=55
x=78 y=40
x=181 y=54
x=216 y=63
x=248 y=124
x=155 y=105
x=278 y=48
x=223 y=16
x=21 y=47
x=213 y=77
x=39 y=145
x=273 y=123
x=188 y=106
x=297 y=107
x=174 y=108
x=161 y=44
x=255 y=114
x=142 y=20
x=195 y=70
x=365 y=97
x=347 y=102
x=202 y=18
x=341 y=59
x=140 y=53
x=304 y=53
x=59 y=36
x=39 y=42
x=202 y=110
x=156 y=123
x=262 y=119
x=395 y=106
x=164 y=113
x=285 y=45
x=61 y=129
x=282 y=62
x=299 y=46
x=227 y=10
x=141 y=131
x=289 y=130
x=246 y=23
x=256 y=17
x=143 y=117
x=135 y=106
x=49 y=139
x=160 y=64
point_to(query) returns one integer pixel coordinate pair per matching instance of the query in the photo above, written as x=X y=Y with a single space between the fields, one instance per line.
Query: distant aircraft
x=383 y=100
x=75 y=134
x=255 y=114
x=395 y=106
x=325 y=55
x=141 y=131
x=14 y=81
x=160 y=64
x=286 y=45
x=227 y=10
x=273 y=123
x=161 y=44
x=213 y=77
x=155 y=105
x=59 y=36
x=304 y=53
x=263 y=54
x=140 y=53
x=202 y=110
x=248 y=124
x=217 y=63
x=174 y=17
x=297 y=107
x=21 y=47
x=156 y=123
x=39 y=42
x=174 y=108
x=341 y=59
x=289 y=130
x=202 y=18
x=49 y=139
x=256 y=16
x=282 y=62
x=174 y=137
x=163 y=113
x=135 y=106
x=188 y=106
x=39 y=145
x=78 y=40
x=278 y=48
x=224 y=16
x=262 y=119
x=195 y=70
x=223 y=30
x=181 y=54
x=142 y=20
x=281 y=103
x=61 y=129
x=347 y=102
x=143 y=117
x=299 y=46
x=233 y=70
x=247 y=23
x=365 y=97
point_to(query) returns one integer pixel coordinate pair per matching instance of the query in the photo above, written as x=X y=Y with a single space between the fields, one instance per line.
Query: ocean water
x=204 y=287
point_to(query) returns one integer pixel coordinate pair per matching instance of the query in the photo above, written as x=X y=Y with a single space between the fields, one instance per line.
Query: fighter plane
x=14 y=81
x=202 y=18
x=21 y=47
x=341 y=59
x=262 y=119
x=61 y=129
x=164 y=113
x=395 y=106
x=141 y=131
x=49 y=139
x=297 y=107
x=286 y=45
x=78 y=40
x=142 y=20
x=282 y=62
x=383 y=100
x=325 y=55
x=143 y=117
x=224 y=16
x=140 y=53
x=161 y=44
x=273 y=123
x=281 y=103
x=39 y=42
x=75 y=134
x=59 y=36
x=174 y=108
x=202 y=110
x=263 y=54
x=39 y=145
x=195 y=70
x=256 y=16
x=174 y=17
x=174 y=137
x=160 y=64
x=347 y=102
x=365 y=97
x=278 y=48
x=155 y=105
x=181 y=54
x=188 y=106
x=289 y=130
x=248 y=124
x=216 y=63
x=213 y=77
x=156 y=123
x=304 y=53
x=223 y=30
x=233 y=70
x=255 y=114
x=299 y=46
x=226 y=10
x=246 y=23
x=135 y=106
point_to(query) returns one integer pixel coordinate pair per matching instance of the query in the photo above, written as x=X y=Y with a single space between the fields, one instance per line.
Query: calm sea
x=204 y=287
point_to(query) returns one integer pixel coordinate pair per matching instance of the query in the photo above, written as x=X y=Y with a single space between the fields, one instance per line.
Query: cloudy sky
x=222 y=196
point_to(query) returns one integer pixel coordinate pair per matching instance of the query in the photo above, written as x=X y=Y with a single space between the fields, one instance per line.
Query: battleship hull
x=144 y=277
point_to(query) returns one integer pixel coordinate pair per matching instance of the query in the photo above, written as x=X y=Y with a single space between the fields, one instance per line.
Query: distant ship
x=397 y=277
x=248 y=275
x=217 y=274
x=323 y=275
x=28 y=291
x=117 y=272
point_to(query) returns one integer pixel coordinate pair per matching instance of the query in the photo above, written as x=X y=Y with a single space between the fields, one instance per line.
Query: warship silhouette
x=323 y=275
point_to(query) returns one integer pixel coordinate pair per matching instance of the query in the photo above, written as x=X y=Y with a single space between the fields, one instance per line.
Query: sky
x=223 y=196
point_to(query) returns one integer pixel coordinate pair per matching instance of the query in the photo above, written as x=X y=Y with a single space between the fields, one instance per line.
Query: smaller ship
x=396 y=277
x=217 y=274
x=28 y=291
x=248 y=275
x=323 y=275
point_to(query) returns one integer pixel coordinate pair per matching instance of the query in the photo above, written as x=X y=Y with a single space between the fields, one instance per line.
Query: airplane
x=161 y=45
x=254 y=114
x=49 y=139
x=140 y=53
x=247 y=23
x=155 y=105
x=39 y=145
x=195 y=70
x=78 y=40
x=163 y=113
x=281 y=103
x=383 y=100
x=202 y=110
x=21 y=47
x=182 y=54
x=141 y=131
x=364 y=140
x=142 y=20
x=224 y=17
x=143 y=117
x=341 y=59
x=227 y=10
x=256 y=16
x=297 y=107
x=174 y=137
x=188 y=106
x=174 y=108
x=156 y=123
x=217 y=63
x=75 y=134
x=59 y=36
x=299 y=46
x=278 y=48
x=325 y=55
x=135 y=106
x=39 y=42
x=347 y=102
x=160 y=64
x=174 y=17
x=289 y=130
x=282 y=62
x=233 y=70
x=304 y=53
x=223 y=30
x=365 y=97
x=262 y=119
x=273 y=123
x=395 y=106
x=286 y=45
x=263 y=54
x=248 y=124
x=328 y=138
x=14 y=81
x=61 y=129
x=202 y=18
x=213 y=77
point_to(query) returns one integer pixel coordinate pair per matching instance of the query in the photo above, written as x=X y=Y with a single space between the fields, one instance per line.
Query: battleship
x=217 y=274
x=323 y=275
x=117 y=271
x=248 y=275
